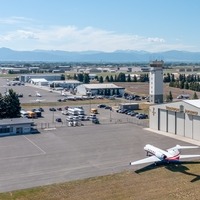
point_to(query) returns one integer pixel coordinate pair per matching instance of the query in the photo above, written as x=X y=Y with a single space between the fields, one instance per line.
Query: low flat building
x=178 y=118
x=100 y=89
x=49 y=77
x=39 y=81
x=129 y=106
x=15 y=126
x=68 y=84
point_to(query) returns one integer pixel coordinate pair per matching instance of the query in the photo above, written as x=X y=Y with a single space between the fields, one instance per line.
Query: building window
x=4 y=130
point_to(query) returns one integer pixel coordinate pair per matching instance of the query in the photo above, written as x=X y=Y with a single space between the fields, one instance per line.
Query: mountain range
x=120 y=56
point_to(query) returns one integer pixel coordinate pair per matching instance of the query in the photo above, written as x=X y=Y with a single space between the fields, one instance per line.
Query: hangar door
x=196 y=127
x=188 y=126
x=180 y=123
x=171 y=122
x=162 y=124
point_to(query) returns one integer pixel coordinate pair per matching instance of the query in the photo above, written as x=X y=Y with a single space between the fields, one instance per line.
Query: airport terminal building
x=179 y=118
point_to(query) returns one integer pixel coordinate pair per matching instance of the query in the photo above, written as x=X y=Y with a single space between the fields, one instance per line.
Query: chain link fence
x=50 y=125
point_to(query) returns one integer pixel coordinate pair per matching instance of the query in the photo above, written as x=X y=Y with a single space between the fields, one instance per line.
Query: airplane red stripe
x=176 y=157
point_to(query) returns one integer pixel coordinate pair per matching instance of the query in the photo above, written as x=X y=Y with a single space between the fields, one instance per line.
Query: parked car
x=108 y=107
x=20 y=95
x=92 y=116
x=101 y=106
x=95 y=121
x=86 y=118
x=66 y=107
x=60 y=109
x=69 y=118
x=133 y=114
x=81 y=117
x=52 y=109
x=141 y=116
x=122 y=110
x=41 y=109
x=58 y=120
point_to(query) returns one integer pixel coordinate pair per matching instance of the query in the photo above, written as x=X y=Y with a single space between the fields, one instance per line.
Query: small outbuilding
x=129 y=106
x=15 y=126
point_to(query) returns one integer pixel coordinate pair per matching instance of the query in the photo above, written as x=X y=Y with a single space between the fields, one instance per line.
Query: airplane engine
x=160 y=156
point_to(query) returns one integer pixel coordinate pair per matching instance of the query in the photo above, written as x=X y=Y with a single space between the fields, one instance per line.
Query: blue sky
x=101 y=25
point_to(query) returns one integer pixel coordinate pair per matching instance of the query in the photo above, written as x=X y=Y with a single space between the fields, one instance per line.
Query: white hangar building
x=179 y=118
x=100 y=89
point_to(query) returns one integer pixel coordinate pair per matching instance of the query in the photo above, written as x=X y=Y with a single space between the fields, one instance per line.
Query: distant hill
x=97 y=56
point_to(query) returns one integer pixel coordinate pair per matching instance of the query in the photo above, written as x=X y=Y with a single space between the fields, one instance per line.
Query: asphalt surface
x=71 y=153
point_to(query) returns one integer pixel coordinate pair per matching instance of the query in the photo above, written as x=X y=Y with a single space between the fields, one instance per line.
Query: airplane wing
x=145 y=160
x=189 y=156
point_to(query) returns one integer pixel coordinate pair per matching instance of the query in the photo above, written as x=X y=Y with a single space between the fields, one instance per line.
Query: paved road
x=71 y=153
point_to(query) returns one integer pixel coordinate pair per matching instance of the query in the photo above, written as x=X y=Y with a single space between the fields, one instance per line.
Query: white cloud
x=15 y=20
x=71 y=38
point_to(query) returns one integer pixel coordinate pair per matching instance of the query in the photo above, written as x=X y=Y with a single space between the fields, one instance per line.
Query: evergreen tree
x=186 y=85
x=100 y=79
x=2 y=107
x=107 y=79
x=11 y=105
x=129 y=78
x=181 y=86
x=62 y=77
x=80 y=77
x=115 y=78
x=97 y=78
x=135 y=78
x=75 y=76
x=121 y=77
x=195 y=96
x=86 y=78
x=169 y=97
x=172 y=78
x=111 y=79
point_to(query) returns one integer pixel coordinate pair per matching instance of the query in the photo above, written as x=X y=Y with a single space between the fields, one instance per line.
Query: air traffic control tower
x=156 y=82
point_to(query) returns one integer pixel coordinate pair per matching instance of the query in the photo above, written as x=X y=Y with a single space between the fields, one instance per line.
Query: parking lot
x=48 y=119
x=64 y=154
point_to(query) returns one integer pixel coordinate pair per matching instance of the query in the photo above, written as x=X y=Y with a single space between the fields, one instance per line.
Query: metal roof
x=67 y=81
x=14 y=121
x=102 y=86
x=193 y=102
x=39 y=79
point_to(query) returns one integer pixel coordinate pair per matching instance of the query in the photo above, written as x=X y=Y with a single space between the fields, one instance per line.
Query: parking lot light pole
x=53 y=117
x=110 y=115
x=90 y=105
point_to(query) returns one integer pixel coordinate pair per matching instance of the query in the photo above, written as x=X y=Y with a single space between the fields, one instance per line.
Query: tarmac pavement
x=71 y=153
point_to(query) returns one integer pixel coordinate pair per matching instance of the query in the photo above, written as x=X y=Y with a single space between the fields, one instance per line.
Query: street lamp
x=110 y=114
x=53 y=117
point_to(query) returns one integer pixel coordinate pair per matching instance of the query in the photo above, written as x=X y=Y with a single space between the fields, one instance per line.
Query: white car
x=69 y=118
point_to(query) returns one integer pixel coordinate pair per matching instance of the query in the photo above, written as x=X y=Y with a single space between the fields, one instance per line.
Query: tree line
x=9 y=105
x=121 y=77
x=190 y=82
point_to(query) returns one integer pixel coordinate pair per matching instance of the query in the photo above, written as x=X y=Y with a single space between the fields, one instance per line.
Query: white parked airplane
x=38 y=94
x=38 y=100
x=158 y=155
